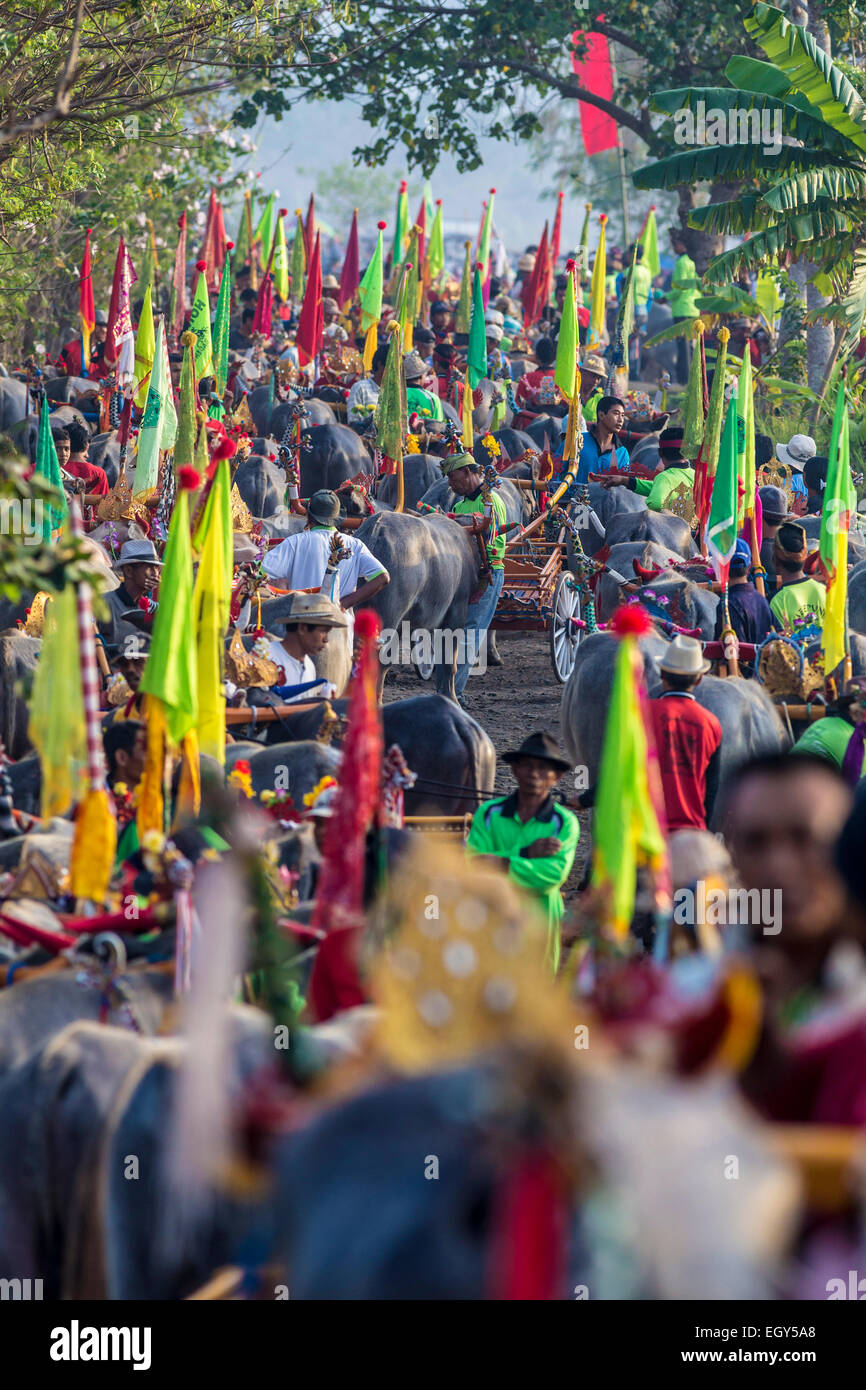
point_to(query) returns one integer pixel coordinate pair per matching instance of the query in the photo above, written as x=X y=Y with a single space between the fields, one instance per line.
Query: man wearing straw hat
x=687 y=736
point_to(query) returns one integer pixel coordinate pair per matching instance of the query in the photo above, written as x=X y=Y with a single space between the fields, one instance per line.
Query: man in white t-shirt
x=308 y=622
x=301 y=560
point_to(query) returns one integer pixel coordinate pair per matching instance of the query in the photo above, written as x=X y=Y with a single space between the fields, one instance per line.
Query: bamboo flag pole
x=248 y=213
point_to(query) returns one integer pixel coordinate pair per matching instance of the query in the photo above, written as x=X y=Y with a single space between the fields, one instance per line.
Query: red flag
x=86 y=311
x=119 y=334
x=264 y=304
x=311 y=323
x=556 y=234
x=531 y=295
x=421 y=221
x=178 y=284
x=310 y=228
x=213 y=249
x=350 y=275
x=595 y=74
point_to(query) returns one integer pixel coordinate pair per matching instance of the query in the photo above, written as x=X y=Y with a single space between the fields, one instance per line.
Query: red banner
x=595 y=74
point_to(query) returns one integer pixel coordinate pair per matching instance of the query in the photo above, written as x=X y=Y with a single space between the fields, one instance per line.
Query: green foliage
x=25 y=566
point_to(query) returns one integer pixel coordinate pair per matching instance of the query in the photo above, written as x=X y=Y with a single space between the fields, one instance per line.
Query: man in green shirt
x=529 y=835
x=419 y=401
x=799 y=601
x=466 y=478
x=593 y=375
x=675 y=471
x=681 y=297
x=832 y=737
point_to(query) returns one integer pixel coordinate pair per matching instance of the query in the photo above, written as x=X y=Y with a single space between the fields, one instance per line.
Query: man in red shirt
x=687 y=736
x=77 y=462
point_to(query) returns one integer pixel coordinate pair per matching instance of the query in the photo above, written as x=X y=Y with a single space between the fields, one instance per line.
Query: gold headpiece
x=119 y=505
x=245 y=669
x=35 y=624
x=241 y=516
x=243 y=417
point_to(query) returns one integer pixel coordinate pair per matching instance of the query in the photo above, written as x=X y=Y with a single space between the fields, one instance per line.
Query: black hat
x=815 y=473
x=774 y=504
x=539 y=745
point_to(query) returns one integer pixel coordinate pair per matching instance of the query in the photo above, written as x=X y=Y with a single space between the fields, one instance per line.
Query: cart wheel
x=564 y=639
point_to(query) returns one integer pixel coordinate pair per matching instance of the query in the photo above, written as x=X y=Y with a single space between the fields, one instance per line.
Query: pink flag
x=349 y=275
x=119 y=337
x=595 y=74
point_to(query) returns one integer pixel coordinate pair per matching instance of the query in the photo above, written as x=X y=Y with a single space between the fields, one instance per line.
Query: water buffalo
x=13 y=402
x=18 y=657
x=750 y=724
x=67 y=389
x=420 y=472
x=450 y=753
x=683 y=603
x=621 y=561
x=544 y=431
x=330 y=455
x=433 y=564
x=516 y=500
x=857 y=598
x=104 y=451
x=662 y=527
x=295 y=767
x=316 y=412
x=261 y=484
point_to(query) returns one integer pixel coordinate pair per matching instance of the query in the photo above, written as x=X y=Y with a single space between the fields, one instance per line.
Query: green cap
x=454 y=461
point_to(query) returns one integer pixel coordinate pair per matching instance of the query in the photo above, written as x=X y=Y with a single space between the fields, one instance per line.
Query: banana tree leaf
x=849 y=310
x=682 y=329
x=802 y=191
x=787 y=388
x=809 y=70
x=799 y=236
x=799 y=119
x=754 y=75
x=708 y=163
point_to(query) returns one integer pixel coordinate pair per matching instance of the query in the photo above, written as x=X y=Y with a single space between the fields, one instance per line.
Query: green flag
x=144 y=351
x=171 y=672
x=281 y=261
x=392 y=412
x=298 y=262
x=151 y=428
x=199 y=322
x=716 y=409
x=746 y=457
x=242 y=240
x=221 y=328
x=722 y=524
x=476 y=357
x=48 y=467
x=264 y=233
x=694 y=421
x=838 y=510
x=401 y=227
x=464 y=303
x=484 y=248
x=565 y=371
x=184 y=447
x=428 y=201
x=150 y=265
x=436 y=246
x=649 y=240
x=584 y=244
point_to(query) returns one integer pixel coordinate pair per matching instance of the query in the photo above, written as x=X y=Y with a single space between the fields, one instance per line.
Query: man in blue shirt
x=600 y=447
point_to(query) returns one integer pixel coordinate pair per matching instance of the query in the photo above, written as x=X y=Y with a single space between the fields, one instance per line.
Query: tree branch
x=62 y=94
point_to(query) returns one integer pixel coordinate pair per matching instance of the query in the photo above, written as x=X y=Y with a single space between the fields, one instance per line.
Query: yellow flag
x=145 y=351
x=468 y=438
x=56 y=727
x=597 y=300
x=211 y=600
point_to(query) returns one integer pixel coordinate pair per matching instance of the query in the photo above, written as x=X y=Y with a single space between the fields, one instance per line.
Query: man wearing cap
x=796 y=453
x=530 y=835
x=364 y=394
x=418 y=400
x=593 y=374
x=139 y=567
x=687 y=737
x=440 y=320
x=675 y=471
x=307 y=619
x=799 y=601
x=750 y=613
x=300 y=561
x=815 y=482
x=466 y=479
x=774 y=510
x=497 y=361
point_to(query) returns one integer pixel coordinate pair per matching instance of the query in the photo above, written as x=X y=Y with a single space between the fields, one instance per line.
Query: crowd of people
x=282 y=618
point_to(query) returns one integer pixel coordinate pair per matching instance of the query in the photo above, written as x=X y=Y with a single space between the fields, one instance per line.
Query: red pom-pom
x=284 y=212
x=201 y=265
x=381 y=226
x=225 y=449
x=88 y=232
x=631 y=620
x=272 y=457
x=493 y=190
x=230 y=246
x=438 y=202
x=569 y=265
x=189 y=478
x=367 y=624
x=181 y=221
x=242 y=766
x=143 y=603
x=403 y=185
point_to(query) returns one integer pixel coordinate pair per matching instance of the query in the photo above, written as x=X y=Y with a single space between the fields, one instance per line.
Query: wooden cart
x=540 y=594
